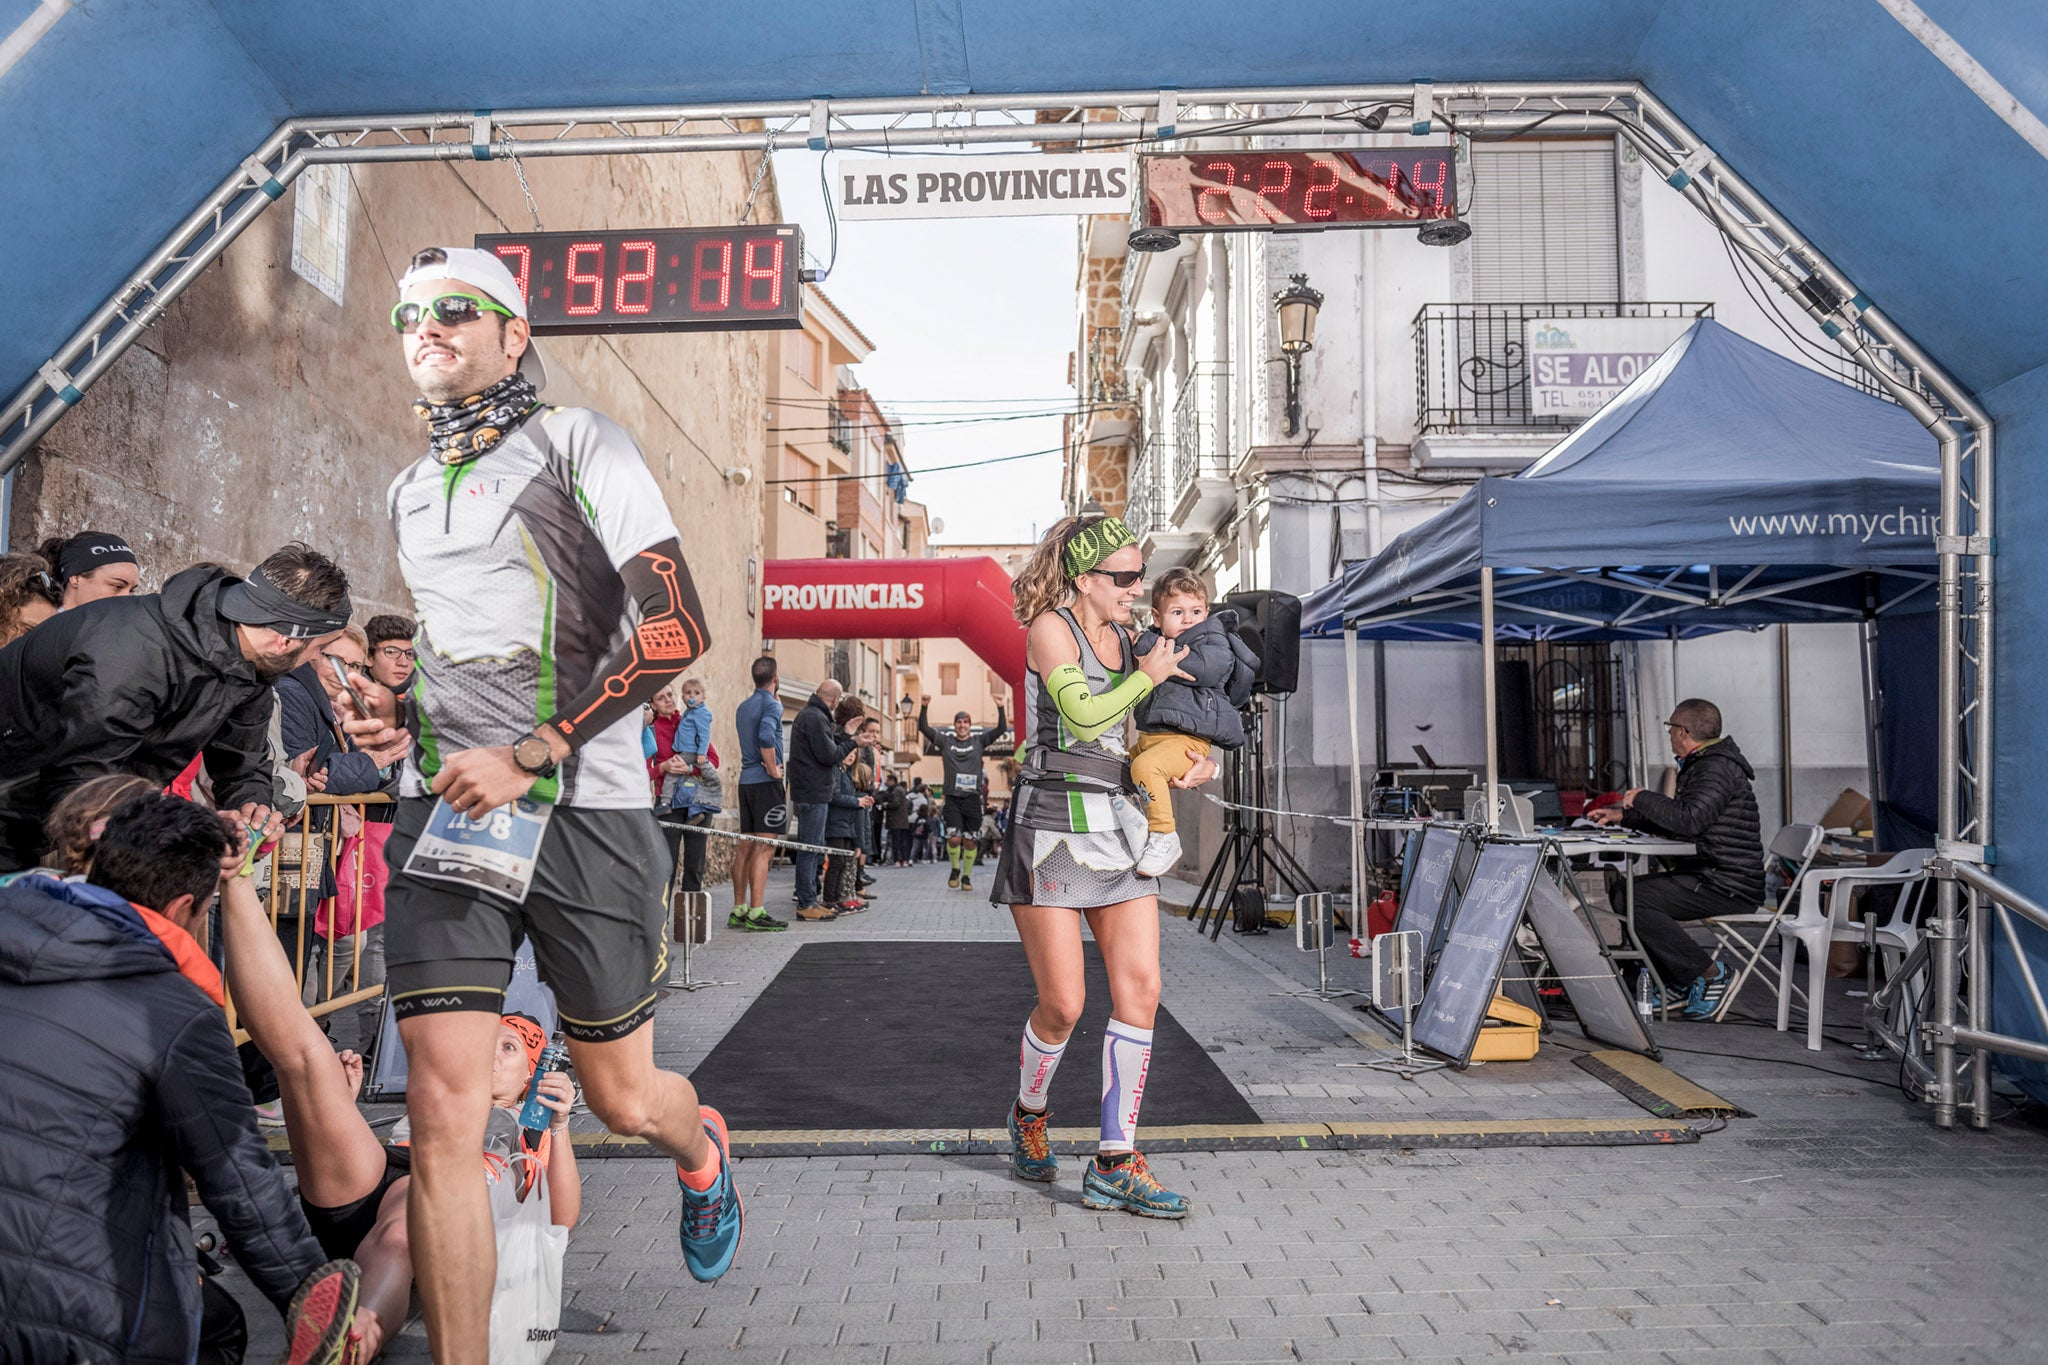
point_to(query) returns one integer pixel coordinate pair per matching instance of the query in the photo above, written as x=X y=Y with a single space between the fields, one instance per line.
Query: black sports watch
x=533 y=755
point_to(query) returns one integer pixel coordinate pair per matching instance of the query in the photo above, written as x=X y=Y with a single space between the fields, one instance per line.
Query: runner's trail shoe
x=1030 y=1153
x=711 y=1218
x=1705 y=995
x=317 y=1323
x=966 y=882
x=755 y=919
x=1130 y=1186
x=953 y=882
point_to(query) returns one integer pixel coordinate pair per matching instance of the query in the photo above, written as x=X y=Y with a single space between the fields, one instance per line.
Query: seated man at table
x=1715 y=811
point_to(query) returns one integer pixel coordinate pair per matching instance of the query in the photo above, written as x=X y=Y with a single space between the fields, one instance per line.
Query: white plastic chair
x=1797 y=845
x=1825 y=898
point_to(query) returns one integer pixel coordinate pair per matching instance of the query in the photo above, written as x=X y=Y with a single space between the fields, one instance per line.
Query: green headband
x=1095 y=542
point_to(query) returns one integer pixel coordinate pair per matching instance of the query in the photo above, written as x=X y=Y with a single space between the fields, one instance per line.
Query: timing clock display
x=1292 y=190
x=656 y=280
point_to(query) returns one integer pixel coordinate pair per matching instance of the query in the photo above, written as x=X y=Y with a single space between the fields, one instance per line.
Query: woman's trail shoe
x=1129 y=1185
x=1030 y=1152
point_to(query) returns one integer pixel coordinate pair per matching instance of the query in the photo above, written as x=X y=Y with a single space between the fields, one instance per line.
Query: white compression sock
x=1036 y=1061
x=1126 y=1057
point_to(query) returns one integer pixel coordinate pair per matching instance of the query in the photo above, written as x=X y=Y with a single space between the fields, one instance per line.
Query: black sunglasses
x=1123 y=578
x=450 y=310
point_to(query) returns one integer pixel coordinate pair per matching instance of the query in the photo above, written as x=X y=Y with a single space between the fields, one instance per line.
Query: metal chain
x=754 y=190
x=507 y=146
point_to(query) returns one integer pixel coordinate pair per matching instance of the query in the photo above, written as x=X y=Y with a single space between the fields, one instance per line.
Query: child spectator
x=1181 y=719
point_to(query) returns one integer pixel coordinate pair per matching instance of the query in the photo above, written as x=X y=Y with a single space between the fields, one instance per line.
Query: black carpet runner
x=925 y=1035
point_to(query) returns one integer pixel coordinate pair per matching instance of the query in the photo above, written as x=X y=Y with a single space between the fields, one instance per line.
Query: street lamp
x=1296 y=305
x=906 y=706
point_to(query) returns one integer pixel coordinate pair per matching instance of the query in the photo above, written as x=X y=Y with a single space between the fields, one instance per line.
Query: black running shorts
x=594 y=913
x=963 y=816
x=340 y=1231
x=764 y=809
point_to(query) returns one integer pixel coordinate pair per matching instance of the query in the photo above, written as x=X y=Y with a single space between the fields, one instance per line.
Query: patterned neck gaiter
x=459 y=432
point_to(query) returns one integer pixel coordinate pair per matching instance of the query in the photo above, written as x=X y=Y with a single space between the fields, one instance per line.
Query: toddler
x=1183 y=718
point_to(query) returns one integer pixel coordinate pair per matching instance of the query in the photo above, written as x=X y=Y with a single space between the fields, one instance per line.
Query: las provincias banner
x=982 y=186
x=967 y=599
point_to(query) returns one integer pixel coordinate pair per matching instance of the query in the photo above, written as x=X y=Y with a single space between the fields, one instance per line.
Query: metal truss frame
x=1842 y=311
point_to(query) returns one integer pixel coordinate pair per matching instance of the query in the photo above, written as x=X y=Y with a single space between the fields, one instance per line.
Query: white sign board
x=982 y=186
x=1577 y=364
x=320 y=208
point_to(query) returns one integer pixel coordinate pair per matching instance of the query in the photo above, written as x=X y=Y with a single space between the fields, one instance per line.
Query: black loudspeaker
x=1270 y=623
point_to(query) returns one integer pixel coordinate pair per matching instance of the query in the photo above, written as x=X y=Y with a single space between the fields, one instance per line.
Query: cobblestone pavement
x=1838 y=1224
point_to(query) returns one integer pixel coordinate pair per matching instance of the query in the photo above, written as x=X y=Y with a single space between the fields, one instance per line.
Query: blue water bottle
x=535 y=1116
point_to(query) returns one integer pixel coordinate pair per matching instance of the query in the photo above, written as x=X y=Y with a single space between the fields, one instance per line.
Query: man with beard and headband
x=552 y=602
x=142 y=684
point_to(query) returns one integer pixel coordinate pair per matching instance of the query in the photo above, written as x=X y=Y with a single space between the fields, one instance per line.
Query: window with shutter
x=1543 y=224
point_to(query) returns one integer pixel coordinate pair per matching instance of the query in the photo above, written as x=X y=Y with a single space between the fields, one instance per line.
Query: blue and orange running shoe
x=1030 y=1152
x=1130 y=1186
x=711 y=1218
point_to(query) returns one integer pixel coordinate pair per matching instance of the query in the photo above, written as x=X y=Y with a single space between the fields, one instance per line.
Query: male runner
x=553 y=600
x=962 y=751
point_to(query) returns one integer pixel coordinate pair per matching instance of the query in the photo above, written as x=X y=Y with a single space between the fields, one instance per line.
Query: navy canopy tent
x=1726 y=487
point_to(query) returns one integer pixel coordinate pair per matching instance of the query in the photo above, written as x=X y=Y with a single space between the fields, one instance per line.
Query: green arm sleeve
x=1092 y=713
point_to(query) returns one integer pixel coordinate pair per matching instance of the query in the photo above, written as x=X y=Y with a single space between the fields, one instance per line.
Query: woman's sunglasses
x=1123 y=578
x=450 y=310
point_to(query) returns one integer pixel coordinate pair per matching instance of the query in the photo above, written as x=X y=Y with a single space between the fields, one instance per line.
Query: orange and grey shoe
x=321 y=1315
x=1030 y=1150
x=1130 y=1185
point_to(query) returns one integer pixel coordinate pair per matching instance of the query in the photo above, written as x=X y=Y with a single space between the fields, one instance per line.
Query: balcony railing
x=1471 y=370
x=1145 y=510
x=1198 y=446
x=1105 y=373
x=909 y=651
x=838 y=424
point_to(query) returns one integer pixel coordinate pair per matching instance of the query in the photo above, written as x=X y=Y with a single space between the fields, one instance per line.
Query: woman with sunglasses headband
x=1076 y=831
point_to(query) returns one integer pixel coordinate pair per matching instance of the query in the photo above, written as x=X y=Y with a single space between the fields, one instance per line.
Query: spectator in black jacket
x=142 y=684
x=389 y=640
x=1714 y=810
x=816 y=745
x=118 y=1080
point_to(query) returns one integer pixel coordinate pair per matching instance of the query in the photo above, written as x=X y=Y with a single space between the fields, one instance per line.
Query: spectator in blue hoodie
x=118 y=1044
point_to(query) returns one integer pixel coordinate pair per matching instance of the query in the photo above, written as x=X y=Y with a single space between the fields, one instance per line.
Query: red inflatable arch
x=850 y=599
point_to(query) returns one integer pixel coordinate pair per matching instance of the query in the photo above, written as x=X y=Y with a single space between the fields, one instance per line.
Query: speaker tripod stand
x=1251 y=852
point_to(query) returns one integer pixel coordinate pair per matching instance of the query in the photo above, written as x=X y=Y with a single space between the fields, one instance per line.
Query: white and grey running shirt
x=513 y=561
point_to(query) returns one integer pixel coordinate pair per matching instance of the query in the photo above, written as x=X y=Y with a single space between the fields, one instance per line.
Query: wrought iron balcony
x=1199 y=448
x=1471 y=370
x=1105 y=372
x=1145 y=505
x=838 y=425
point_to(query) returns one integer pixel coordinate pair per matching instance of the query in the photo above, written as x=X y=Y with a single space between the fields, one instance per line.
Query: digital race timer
x=659 y=280
x=1340 y=187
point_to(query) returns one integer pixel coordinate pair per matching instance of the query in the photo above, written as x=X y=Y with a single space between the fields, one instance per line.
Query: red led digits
x=1219 y=210
x=1431 y=192
x=1319 y=166
x=642 y=279
x=595 y=280
x=751 y=297
x=1272 y=197
x=711 y=277
x=520 y=258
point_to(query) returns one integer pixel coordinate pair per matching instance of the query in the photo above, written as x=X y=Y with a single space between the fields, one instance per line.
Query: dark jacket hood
x=1724 y=748
x=54 y=931
x=190 y=606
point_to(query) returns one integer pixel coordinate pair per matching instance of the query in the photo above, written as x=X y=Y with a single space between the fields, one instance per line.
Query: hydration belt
x=1047 y=765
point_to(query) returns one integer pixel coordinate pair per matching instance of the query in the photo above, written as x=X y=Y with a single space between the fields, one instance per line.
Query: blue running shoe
x=1132 y=1188
x=1705 y=995
x=711 y=1218
x=1030 y=1152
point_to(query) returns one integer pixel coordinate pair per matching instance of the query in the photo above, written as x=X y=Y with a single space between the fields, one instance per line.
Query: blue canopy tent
x=1726 y=487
